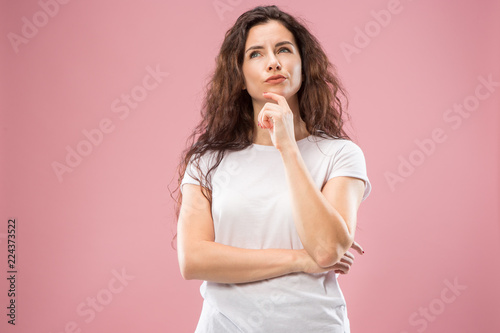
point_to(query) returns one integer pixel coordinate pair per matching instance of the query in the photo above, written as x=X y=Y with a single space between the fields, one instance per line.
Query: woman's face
x=271 y=50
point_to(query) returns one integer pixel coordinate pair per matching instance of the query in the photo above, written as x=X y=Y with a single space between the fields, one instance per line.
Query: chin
x=280 y=91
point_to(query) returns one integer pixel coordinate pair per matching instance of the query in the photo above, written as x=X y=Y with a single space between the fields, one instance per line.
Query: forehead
x=269 y=32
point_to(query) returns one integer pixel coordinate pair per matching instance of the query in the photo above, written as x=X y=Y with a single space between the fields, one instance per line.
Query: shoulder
x=335 y=146
x=204 y=158
x=201 y=163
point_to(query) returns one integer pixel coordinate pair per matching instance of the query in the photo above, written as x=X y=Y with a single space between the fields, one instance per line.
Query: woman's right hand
x=342 y=267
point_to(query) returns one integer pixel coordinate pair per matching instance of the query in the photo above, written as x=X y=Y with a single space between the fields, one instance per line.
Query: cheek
x=248 y=73
x=298 y=67
x=297 y=72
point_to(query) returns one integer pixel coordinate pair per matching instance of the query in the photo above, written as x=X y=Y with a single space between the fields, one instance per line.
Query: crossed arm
x=325 y=221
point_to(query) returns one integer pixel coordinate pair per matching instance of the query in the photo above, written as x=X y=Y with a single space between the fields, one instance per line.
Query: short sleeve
x=192 y=174
x=350 y=161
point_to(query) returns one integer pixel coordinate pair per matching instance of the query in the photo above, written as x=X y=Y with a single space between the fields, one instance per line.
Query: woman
x=281 y=182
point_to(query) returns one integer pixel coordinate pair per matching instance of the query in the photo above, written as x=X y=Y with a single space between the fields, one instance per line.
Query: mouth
x=275 y=79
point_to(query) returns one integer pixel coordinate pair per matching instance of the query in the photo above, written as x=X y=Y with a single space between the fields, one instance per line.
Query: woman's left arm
x=325 y=220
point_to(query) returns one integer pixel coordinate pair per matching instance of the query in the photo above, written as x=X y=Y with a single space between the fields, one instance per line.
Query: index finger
x=357 y=247
x=275 y=97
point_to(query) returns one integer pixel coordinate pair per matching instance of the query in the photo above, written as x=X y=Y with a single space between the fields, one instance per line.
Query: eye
x=282 y=49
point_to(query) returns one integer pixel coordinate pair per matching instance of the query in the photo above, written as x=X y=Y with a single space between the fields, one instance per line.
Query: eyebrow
x=258 y=47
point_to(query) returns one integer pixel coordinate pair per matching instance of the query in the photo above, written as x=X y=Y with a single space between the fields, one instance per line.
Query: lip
x=275 y=79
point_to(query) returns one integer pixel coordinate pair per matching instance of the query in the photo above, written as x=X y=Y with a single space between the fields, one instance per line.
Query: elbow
x=186 y=271
x=193 y=262
x=187 y=266
x=327 y=257
x=190 y=271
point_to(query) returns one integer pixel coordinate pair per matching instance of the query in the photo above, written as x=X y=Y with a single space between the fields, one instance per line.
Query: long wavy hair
x=227 y=121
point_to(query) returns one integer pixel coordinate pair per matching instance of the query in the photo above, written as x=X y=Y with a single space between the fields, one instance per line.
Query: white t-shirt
x=251 y=208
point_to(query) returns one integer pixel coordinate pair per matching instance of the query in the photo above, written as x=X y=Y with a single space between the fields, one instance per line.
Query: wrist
x=289 y=151
x=297 y=261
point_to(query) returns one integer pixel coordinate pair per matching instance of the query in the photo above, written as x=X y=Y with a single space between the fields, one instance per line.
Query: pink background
x=438 y=225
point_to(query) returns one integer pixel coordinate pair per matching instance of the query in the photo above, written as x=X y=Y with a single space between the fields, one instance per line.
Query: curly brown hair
x=227 y=120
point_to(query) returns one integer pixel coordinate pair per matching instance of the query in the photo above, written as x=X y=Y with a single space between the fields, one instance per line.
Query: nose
x=273 y=63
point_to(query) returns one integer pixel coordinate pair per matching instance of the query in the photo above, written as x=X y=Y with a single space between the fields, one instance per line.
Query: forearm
x=322 y=230
x=210 y=261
